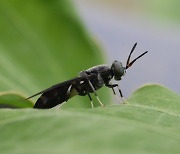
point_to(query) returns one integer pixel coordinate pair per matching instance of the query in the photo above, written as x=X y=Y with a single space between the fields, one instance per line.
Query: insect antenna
x=129 y=64
x=129 y=57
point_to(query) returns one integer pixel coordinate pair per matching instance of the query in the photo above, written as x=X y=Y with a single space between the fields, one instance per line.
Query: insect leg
x=113 y=91
x=112 y=86
x=91 y=100
x=68 y=92
x=120 y=92
x=119 y=100
x=115 y=85
x=67 y=97
x=94 y=91
x=123 y=99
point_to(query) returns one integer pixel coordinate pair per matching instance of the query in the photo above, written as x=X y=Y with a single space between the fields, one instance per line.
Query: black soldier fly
x=88 y=82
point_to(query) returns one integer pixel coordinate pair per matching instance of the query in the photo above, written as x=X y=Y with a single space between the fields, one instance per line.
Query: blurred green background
x=43 y=43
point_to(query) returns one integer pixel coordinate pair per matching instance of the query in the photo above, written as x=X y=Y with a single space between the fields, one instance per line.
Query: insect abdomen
x=52 y=98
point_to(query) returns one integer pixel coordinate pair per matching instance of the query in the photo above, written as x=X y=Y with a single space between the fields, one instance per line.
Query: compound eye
x=118 y=70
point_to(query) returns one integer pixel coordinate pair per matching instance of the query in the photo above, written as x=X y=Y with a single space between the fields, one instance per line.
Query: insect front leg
x=112 y=86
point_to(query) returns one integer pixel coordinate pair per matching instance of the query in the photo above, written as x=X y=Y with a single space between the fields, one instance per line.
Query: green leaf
x=43 y=43
x=158 y=97
x=12 y=100
x=150 y=123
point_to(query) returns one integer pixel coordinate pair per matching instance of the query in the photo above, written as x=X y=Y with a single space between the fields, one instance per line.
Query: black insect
x=88 y=82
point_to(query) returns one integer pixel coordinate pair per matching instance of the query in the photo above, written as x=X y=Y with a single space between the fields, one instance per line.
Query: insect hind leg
x=92 y=105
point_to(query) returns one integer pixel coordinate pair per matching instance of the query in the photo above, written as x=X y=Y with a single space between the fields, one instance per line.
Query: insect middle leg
x=94 y=91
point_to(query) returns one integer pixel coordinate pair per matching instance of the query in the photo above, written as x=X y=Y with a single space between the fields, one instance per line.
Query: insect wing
x=56 y=94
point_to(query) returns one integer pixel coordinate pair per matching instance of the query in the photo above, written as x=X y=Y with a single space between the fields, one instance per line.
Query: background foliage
x=43 y=43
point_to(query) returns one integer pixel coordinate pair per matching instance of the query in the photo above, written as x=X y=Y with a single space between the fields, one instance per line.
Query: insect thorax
x=98 y=76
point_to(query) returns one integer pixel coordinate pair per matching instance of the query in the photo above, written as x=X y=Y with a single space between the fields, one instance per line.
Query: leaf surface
x=137 y=127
